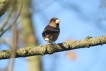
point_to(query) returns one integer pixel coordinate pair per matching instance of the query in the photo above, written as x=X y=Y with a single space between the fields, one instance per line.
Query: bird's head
x=54 y=22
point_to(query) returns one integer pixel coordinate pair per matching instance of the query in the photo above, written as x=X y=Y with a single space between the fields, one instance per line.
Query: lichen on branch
x=52 y=48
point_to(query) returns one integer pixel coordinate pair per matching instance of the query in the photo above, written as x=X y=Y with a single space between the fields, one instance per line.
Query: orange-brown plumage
x=51 y=31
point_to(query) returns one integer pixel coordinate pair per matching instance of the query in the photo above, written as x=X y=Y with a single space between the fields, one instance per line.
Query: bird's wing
x=50 y=30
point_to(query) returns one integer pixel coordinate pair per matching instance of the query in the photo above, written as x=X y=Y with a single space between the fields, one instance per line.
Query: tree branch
x=15 y=19
x=4 y=5
x=52 y=48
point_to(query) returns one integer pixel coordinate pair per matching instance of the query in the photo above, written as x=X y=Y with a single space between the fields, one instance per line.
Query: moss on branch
x=52 y=48
x=4 y=5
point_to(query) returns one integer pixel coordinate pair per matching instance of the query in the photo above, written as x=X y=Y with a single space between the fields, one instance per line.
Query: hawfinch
x=51 y=31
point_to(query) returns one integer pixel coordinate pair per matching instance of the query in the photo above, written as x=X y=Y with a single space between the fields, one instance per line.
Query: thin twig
x=14 y=48
x=14 y=19
x=6 y=19
x=14 y=42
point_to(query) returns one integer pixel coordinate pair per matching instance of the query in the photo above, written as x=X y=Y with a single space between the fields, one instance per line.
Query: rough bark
x=4 y=5
x=52 y=48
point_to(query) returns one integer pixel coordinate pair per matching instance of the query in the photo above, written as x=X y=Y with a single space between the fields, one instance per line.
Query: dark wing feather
x=50 y=30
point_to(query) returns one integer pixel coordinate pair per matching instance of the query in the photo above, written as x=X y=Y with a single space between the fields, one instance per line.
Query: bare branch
x=13 y=20
x=4 y=5
x=6 y=20
x=52 y=48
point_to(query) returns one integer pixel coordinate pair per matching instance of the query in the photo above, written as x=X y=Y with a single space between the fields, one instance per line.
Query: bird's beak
x=57 y=21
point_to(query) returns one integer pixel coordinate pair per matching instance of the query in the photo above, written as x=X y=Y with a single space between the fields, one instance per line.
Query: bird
x=51 y=31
